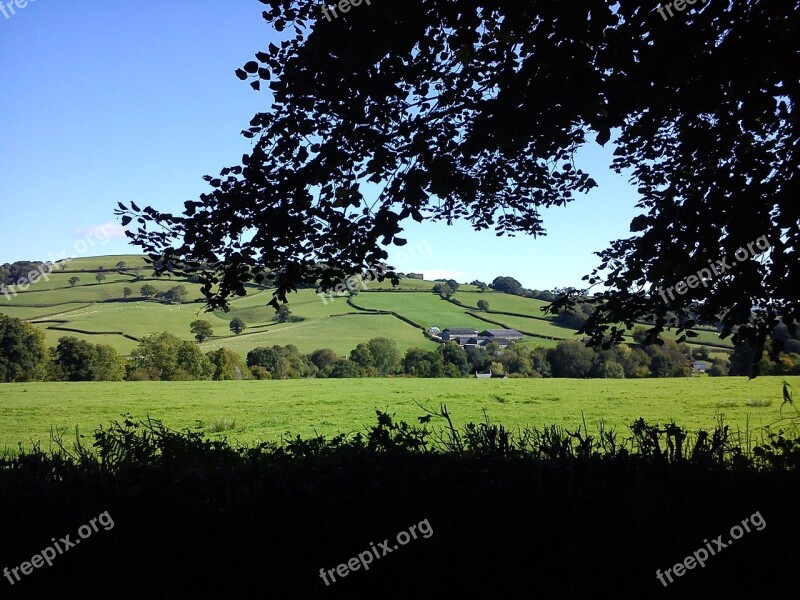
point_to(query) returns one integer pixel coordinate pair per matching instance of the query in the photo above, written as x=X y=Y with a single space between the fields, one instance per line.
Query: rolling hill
x=99 y=312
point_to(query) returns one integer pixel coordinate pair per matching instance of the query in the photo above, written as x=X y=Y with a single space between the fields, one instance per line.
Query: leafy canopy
x=439 y=110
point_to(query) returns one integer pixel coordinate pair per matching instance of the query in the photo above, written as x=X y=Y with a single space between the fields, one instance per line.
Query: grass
x=340 y=334
x=265 y=410
x=504 y=302
x=95 y=313
x=427 y=310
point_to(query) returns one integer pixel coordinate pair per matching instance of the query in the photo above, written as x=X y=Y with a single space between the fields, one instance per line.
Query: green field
x=265 y=410
x=95 y=312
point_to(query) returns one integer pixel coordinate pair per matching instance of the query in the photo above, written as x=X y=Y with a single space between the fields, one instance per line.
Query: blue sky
x=117 y=101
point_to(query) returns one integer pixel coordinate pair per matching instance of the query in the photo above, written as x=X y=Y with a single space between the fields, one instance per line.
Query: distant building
x=434 y=330
x=470 y=338
x=460 y=335
x=508 y=334
x=700 y=366
x=491 y=375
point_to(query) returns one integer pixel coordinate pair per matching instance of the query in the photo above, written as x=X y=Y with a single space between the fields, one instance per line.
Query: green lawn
x=265 y=410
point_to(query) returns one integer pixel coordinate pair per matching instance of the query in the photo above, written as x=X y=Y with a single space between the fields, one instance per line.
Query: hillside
x=100 y=313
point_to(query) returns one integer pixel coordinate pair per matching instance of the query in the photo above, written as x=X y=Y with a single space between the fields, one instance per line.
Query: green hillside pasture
x=121 y=344
x=60 y=281
x=108 y=262
x=405 y=284
x=38 y=312
x=91 y=291
x=253 y=309
x=525 y=324
x=425 y=309
x=340 y=334
x=505 y=303
x=529 y=306
x=140 y=319
x=265 y=410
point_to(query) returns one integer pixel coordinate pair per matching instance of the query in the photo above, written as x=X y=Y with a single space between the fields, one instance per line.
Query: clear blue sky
x=117 y=101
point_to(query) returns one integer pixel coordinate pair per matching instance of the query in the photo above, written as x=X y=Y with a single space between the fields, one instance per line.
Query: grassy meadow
x=96 y=312
x=265 y=410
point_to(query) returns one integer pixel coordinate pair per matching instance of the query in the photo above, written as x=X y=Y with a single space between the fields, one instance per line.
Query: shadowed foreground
x=546 y=511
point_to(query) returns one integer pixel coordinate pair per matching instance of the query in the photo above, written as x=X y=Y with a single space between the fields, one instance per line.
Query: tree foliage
x=165 y=357
x=22 y=351
x=78 y=360
x=201 y=330
x=509 y=285
x=281 y=362
x=237 y=326
x=227 y=365
x=475 y=110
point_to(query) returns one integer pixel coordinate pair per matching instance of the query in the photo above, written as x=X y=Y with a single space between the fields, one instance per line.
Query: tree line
x=24 y=356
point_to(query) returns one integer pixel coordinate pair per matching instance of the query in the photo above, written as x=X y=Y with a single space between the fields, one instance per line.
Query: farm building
x=470 y=338
x=459 y=335
x=508 y=334
x=491 y=375
x=700 y=366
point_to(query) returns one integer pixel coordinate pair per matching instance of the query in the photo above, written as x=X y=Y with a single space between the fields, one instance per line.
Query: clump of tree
x=448 y=360
x=483 y=305
x=13 y=273
x=100 y=277
x=176 y=295
x=379 y=356
x=280 y=362
x=237 y=326
x=446 y=288
x=201 y=330
x=415 y=276
x=482 y=287
x=228 y=366
x=323 y=358
x=284 y=315
x=23 y=352
x=78 y=360
x=73 y=281
x=575 y=316
x=148 y=290
x=508 y=285
x=165 y=357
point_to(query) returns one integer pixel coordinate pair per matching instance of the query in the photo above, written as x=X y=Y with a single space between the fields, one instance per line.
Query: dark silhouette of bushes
x=513 y=513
